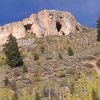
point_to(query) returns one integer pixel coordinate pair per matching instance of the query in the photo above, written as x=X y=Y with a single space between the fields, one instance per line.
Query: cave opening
x=58 y=26
x=28 y=26
x=77 y=28
x=62 y=33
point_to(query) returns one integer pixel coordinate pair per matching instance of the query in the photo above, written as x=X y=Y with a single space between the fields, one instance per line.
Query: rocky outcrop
x=46 y=22
x=15 y=28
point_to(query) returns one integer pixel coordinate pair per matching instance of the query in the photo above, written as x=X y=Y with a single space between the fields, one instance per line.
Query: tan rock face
x=15 y=28
x=46 y=22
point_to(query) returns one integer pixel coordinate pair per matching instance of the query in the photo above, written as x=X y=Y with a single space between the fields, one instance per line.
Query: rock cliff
x=46 y=22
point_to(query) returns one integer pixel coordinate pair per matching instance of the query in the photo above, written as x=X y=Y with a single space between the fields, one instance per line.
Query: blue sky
x=86 y=11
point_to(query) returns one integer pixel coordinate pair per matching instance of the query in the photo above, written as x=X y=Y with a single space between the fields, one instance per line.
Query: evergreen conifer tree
x=98 y=29
x=11 y=50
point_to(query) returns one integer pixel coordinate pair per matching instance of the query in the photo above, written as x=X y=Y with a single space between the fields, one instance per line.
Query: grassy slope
x=53 y=76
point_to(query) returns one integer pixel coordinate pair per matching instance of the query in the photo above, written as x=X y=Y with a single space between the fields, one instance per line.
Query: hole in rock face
x=63 y=33
x=60 y=17
x=28 y=26
x=70 y=33
x=51 y=16
x=58 y=26
x=77 y=28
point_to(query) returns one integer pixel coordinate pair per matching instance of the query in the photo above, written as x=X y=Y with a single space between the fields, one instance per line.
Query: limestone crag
x=15 y=28
x=46 y=22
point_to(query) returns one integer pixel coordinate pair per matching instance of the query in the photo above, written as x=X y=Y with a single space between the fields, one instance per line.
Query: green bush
x=6 y=81
x=36 y=57
x=98 y=63
x=95 y=95
x=2 y=59
x=24 y=68
x=42 y=49
x=60 y=56
x=14 y=97
x=70 y=51
x=37 y=96
x=60 y=74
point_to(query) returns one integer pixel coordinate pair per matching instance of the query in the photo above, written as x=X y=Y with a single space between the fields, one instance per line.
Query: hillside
x=49 y=73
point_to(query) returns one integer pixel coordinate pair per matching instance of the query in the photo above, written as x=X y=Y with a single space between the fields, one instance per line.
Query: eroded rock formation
x=46 y=22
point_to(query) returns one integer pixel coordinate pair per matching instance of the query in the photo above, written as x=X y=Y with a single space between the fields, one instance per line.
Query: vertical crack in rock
x=58 y=26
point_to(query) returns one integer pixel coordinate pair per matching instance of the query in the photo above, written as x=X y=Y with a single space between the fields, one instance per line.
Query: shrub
x=70 y=51
x=60 y=56
x=36 y=57
x=45 y=91
x=37 y=96
x=95 y=95
x=14 y=97
x=6 y=81
x=37 y=77
x=2 y=59
x=72 y=89
x=24 y=68
x=42 y=49
x=60 y=74
x=98 y=63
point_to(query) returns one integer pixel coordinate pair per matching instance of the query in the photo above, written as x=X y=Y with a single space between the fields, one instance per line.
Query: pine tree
x=11 y=50
x=70 y=51
x=98 y=29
